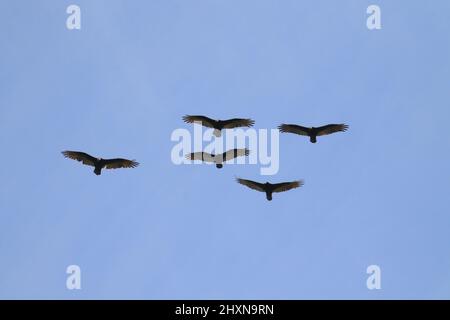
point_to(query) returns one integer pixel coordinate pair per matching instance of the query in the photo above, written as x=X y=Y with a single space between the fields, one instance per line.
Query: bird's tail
x=313 y=139
x=98 y=171
x=219 y=166
x=269 y=196
x=217 y=133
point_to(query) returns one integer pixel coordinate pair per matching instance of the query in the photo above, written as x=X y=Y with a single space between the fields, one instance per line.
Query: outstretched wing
x=80 y=156
x=206 y=122
x=286 y=186
x=293 y=128
x=201 y=156
x=331 y=128
x=238 y=123
x=120 y=163
x=252 y=184
x=234 y=153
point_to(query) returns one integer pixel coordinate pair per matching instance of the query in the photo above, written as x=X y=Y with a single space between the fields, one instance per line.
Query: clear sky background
x=377 y=194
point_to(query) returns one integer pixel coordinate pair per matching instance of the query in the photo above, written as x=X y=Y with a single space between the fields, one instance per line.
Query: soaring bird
x=313 y=132
x=218 y=159
x=269 y=188
x=219 y=125
x=99 y=163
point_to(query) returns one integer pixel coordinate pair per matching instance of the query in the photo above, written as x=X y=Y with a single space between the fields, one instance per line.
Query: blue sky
x=377 y=194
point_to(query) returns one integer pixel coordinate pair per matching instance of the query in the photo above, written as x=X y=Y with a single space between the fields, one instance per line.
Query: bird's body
x=313 y=132
x=268 y=188
x=99 y=163
x=218 y=159
x=313 y=135
x=219 y=125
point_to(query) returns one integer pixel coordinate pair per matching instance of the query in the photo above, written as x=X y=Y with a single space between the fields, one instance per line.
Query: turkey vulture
x=220 y=158
x=99 y=163
x=313 y=132
x=219 y=125
x=269 y=188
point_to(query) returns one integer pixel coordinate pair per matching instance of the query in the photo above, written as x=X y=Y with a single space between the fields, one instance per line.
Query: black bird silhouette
x=269 y=188
x=99 y=163
x=220 y=158
x=219 y=125
x=312 y=132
